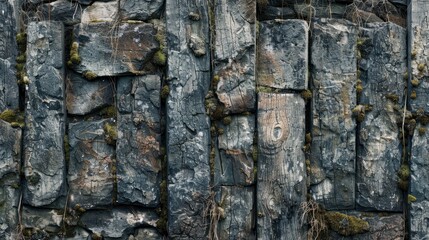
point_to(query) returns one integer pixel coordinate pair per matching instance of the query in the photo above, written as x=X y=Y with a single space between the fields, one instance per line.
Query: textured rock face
x=83 y=96
x=8 y=51
x=382 y=75
x=234 y=166
x=45 y=114
x=10 y=162
x=281 y=185
x=187 y=125
x=61 y=10
x=140 y=10
x=90 y=174
x=100 y=11
x=235 y=54
x=334 y=97
x=283 y=54
x=138 y=153
x=118 y=222
x=47 y=219
x=107 y=50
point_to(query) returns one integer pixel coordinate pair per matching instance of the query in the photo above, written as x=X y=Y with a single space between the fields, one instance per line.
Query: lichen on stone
x=346 y=225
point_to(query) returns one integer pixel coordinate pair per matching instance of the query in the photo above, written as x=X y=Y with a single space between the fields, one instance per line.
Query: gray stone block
x=44 y=161
x=281 y=185
x=141 y=10
x=62 y=10
x=283 y=54
x=9 y=94
x=90 y=172
x=234 y=54
x=137 y=148
x=382 y=66
x=333 y=150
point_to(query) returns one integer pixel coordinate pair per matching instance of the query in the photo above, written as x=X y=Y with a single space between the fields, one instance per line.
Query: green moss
x=8 y=115
x=421 y=67
x=227 y=120
x=74 y=54
x=21 y=58
x=89 y=75
x=346 y=225
x=413 y=94
x=411 y=198
x=110 y=133
x=159 y=58
x=405 y=75
x=21 y=38
x=404 y=171
x=308 y=138
x=108 y=112
x=306 y=95
x=165 y=91
x=33 y=179
x=392 y=97
x=415 y=82
x=359 y=87
x=422 y=131
x=19 y=67
x=220 y=131
x=215 y=81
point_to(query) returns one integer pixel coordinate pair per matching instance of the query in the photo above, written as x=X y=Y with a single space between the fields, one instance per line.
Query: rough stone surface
x=45 y=114
x=107 y=50
x=137 y=148
x=334 y=96
x=237 y=221
x=83 y=96
x=146 y=234
x=272 y=12
x=10 y=162
x=117 y=223
x=47 y=220
x=100 y=12
x=382 y=66
x=91 y=161
x=234 y=166
x=140 y=10
x=320 y=10
x=419 y=35
x=234 y=54
x=283 y=54
x=187 y=124
x=8 y=52
x=281 y=185
x=62 y=10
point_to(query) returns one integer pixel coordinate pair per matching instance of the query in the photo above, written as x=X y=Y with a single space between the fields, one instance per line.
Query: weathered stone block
x=334 y=96
x=83 y=96
x=62 y=10
x=281 y=185
x=47 y=220
x=146 y=234
x=90 y=172
x=10 y=164
x=234 y=166
x=382 y=68
x=44 y=161
x=237 y=213
x=272 y=12
x=117 y=223
x=187 y=125
x=283 y=54
x=111 y=50
x=137 y=148
x=141 y=10
x=100 y=11
x=235 y=54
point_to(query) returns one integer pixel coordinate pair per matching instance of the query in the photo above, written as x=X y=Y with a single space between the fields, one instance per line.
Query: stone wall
x=228 y=119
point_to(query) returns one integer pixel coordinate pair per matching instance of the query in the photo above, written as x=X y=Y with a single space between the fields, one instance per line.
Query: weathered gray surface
x=61 y=10
x=281 y=185
x=391 y=227
x=146 y=234
x=334 y=96
x=140 y=10
x=107 y=50
x=235 y=54
x=117 y=223
x=47 y=220
x=83 y=96
x=419 y=48
x=8 y=51
x=382 y=67
x=273 y=12
x=283 y=54
x=100 y=11
x=187 y=125
x=234 y=166
x=137 y=148
x=90 y=174
x=10 y=163
x=45 y=114
x=237 y=218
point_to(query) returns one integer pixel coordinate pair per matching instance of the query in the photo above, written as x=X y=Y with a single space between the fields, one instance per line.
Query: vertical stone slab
x=45 y=114
x=281 y=185
x=9 y=95
x=234 y=166
x=283 y=54
x=137 y=148
x=382 y=66
x=235 y=54
x=418 y=27
x=237 y=213
x=187 y=124
x=10 y=164
x=333 y=74
x=90 y=175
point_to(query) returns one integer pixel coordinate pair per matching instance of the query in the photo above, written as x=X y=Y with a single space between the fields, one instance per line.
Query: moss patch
x=159 y=58
x=15 y=118
x=110 y=133
x=165 y=91
x=90 y=75
x=306 y=95
x=403 y=175
x=108 y=112
x=346 y=225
